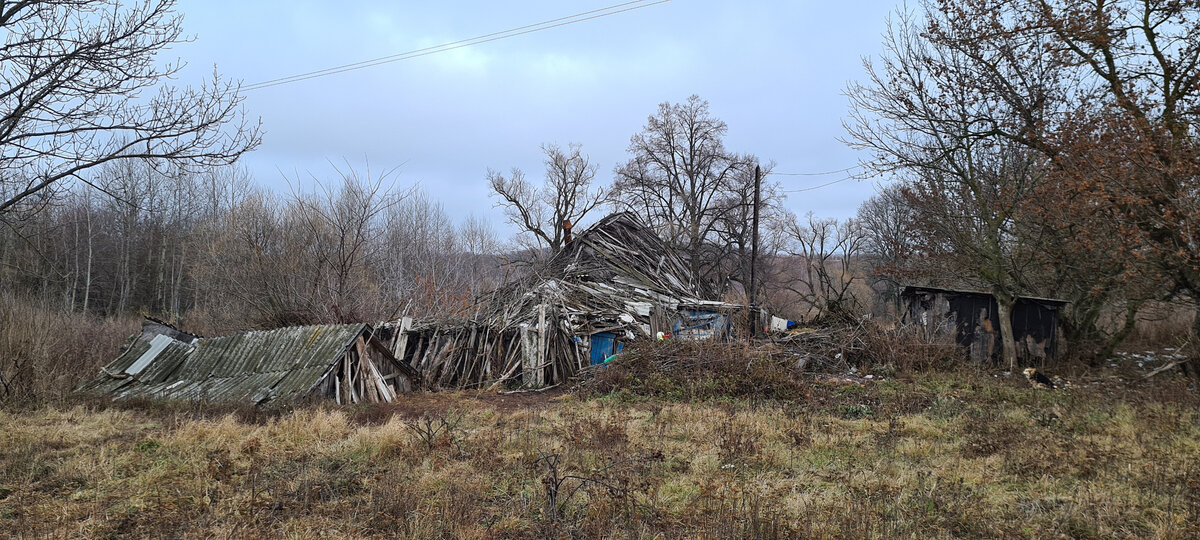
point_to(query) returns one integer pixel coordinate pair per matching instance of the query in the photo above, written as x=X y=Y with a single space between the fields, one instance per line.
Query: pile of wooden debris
x=615 y=282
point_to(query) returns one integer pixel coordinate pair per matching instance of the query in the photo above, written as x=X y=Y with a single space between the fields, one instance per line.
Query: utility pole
x=754 y=256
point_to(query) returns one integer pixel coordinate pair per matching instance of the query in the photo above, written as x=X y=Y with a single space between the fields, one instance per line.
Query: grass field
x=960 y=454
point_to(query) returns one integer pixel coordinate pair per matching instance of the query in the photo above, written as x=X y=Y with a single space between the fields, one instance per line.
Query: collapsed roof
x=616 y=270
x=617 y=278
x=343 y=363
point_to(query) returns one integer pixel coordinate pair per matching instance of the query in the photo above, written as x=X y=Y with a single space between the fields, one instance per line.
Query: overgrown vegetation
x=686 y=371
x=674 y=439
x=44 y=352
x=935 y=455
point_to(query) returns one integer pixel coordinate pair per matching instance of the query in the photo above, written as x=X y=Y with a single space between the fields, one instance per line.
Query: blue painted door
x=602 y=347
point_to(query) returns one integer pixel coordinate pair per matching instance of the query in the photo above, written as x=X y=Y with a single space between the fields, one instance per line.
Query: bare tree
x=1100 y=96
x=889 y=244
x=423 y=270
x=924 y=120
x=825 y=253
x=477 y=242
x=566 y=196
x=73 y=74
x=340 y=229
x=680 y=177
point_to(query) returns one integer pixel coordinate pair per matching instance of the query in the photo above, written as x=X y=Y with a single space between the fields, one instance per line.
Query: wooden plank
x=364 y=374
x=402 y=335
x=528 y=355
x=540 y=374
x=385 y=393
x=347 y=378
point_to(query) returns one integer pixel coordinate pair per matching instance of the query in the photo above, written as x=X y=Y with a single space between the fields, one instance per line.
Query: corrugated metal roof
x=266 y=365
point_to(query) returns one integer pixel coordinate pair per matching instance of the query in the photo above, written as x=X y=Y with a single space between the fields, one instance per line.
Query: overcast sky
x=773 y=71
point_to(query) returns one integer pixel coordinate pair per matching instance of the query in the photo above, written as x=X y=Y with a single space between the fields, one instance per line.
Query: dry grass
x=1163 y=324
x=938 y=456
x=45 y=352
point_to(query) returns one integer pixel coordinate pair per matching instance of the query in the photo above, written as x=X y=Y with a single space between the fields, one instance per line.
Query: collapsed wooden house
x=614 y=282
x=975 y=319
x=341 y=363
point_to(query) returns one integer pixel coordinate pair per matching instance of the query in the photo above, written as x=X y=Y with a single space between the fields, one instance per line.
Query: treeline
x=216 y=251
x=225 y=253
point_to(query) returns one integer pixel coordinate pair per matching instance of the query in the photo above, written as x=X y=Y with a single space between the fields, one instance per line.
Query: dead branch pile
x=689 y=370
x=905 y=348
x=827 y=350
x=781 y=368
x=866 y=346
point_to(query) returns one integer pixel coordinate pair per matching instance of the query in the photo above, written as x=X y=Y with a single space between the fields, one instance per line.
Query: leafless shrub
x=827 y=251
x=737 y=443
x=905 y=349
x=545 y=214
x=621 y=480
x=436 y=431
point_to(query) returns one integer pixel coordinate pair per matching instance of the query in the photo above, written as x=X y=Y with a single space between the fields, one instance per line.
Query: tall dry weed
x=45 y=351
x=906 y=349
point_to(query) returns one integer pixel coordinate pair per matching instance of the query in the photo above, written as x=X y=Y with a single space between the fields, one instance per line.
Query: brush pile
x=686 y=370
x=782 y=368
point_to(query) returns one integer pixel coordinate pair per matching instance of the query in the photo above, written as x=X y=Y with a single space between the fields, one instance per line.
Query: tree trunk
x=160 y=281
x=1192 y=366
x=1106 y=351
x=87 y=279
x=75 y=268
x=1008 y=345
x=177 y=285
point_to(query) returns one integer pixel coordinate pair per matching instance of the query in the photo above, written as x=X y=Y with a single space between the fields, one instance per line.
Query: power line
x=485 y=38
x=827 y=184
x=397 y=55
x=847 y=169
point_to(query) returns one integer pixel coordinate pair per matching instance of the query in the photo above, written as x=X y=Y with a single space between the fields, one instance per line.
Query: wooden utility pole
x=754 y=256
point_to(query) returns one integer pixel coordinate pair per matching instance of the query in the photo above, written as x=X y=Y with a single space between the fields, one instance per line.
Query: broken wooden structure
x=340 y=363
x=614 y=282
x=975 y=320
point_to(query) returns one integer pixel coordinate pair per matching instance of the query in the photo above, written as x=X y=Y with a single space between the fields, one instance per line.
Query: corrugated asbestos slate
x=259 y=366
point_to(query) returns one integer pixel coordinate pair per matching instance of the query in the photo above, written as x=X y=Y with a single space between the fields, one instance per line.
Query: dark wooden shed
x=975 y=321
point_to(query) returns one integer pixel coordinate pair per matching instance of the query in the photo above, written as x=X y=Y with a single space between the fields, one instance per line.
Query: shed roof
x=257 y=366
x=910 y=289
